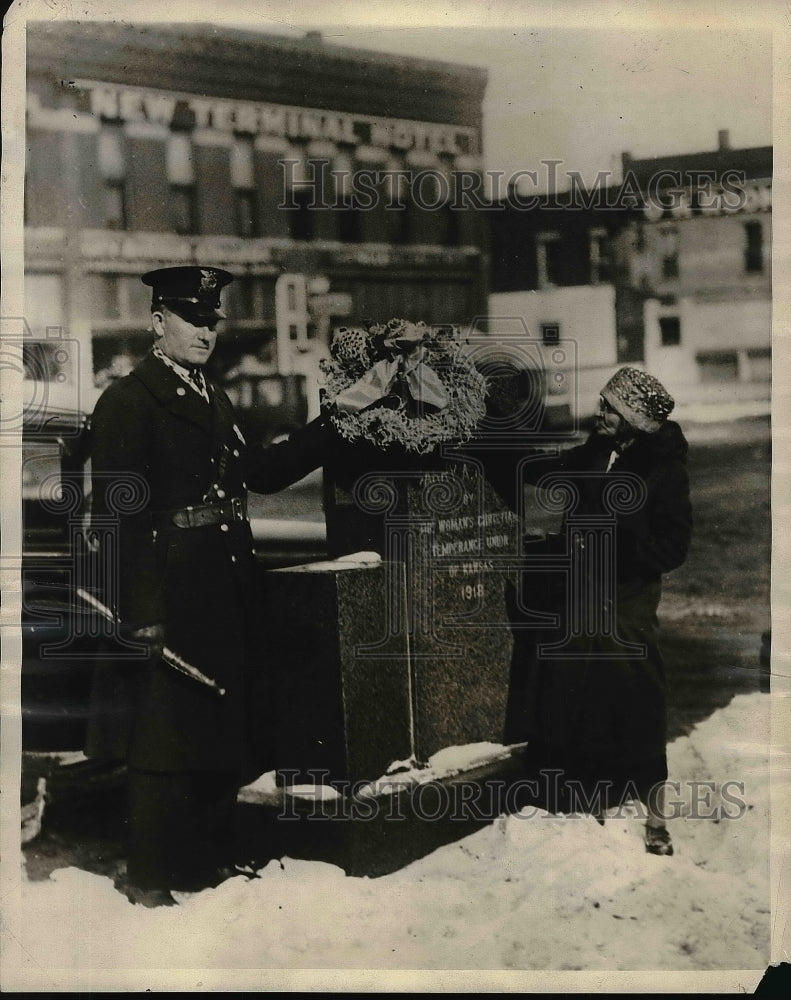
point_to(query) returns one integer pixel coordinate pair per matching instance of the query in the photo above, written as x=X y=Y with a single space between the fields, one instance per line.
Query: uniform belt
x=201 y=515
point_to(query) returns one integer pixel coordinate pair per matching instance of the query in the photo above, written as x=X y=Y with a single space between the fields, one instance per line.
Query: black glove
x=152 y=636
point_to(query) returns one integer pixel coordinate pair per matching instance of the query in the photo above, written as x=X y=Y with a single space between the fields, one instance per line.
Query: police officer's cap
x=192 y=292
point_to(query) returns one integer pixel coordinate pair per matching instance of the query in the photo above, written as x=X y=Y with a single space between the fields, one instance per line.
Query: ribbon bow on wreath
x=403 y=378
x=402 y=384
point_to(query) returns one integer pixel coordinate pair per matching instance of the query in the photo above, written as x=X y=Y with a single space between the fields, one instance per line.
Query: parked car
x=269 y=405
x=57 y=661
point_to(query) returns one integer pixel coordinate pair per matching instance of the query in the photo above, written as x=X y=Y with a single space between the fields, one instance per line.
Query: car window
x=40 y=468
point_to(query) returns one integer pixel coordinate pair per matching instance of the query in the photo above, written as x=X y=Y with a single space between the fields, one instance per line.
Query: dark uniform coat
x=151 y=429
x=593 y=713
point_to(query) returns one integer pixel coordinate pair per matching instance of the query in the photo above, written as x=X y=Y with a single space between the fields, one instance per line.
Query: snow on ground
x=530 y=891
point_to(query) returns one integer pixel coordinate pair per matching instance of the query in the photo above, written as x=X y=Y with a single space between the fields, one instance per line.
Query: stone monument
x=426 y=506
x=456 y=541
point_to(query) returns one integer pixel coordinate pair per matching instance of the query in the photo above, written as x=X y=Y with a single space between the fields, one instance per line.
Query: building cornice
x=196 y=58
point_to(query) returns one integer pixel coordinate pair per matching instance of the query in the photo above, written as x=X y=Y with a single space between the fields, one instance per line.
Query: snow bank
x=530 y=891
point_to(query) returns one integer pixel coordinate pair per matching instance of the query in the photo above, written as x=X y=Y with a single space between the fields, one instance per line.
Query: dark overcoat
x=597 y=710
x=172 y=449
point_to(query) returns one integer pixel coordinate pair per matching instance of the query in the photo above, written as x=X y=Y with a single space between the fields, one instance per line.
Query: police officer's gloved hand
x=152 y=636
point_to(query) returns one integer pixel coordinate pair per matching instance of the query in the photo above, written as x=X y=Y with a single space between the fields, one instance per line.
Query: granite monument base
x=380 y=834
x=338 y=666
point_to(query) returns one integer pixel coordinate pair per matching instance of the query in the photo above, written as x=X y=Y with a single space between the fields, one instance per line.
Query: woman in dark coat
x=594 y=706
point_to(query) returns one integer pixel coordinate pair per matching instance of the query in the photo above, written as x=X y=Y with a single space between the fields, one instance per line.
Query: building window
x=181 y=175
x=112 y=168
x=242 y=163
x=668 y=251
x=115 y=205
x=758 y=364
x=300 y=218
x=342 y=179
x=670 y=331
x=246 y=213
x=401 y=231
x=349 y=223
x=301 y=195
x=118 y=302
x=348 y=217
x=452 y=228
x=243 y=183
x=244 y=300
x=395 y=193
x=670 y=266
x=550 y=333
x=599 y=256
x=718 y=366
x=134 y=299
x=754 y=248
x=548 y=259
x=182 y=206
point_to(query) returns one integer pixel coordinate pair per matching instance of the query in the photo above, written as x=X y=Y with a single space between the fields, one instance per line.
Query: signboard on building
x=733 y=195
x=133 y=104
x=331 y=304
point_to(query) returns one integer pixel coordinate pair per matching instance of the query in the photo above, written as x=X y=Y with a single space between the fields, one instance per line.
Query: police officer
x=183 y=576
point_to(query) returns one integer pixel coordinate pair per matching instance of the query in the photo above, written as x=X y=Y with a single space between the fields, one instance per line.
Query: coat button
x=221 y=494
x=233 y=558
x=236 y=453
x=244 y=485
x=181 y=391
x=224 y=527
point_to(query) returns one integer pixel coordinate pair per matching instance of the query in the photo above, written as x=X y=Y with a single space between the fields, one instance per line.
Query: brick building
x=275 y=157
x=702 y=255
x=669 y=269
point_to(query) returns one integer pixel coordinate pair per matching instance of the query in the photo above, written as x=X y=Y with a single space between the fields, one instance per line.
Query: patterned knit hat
x=639 y=398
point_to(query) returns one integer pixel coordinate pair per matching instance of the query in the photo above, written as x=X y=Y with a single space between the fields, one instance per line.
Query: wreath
x=402 y=383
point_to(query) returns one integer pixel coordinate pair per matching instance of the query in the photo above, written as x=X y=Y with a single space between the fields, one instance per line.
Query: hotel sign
x=133 y=104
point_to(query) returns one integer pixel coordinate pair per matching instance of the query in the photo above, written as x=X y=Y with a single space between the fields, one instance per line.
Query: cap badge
x=208 y=280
